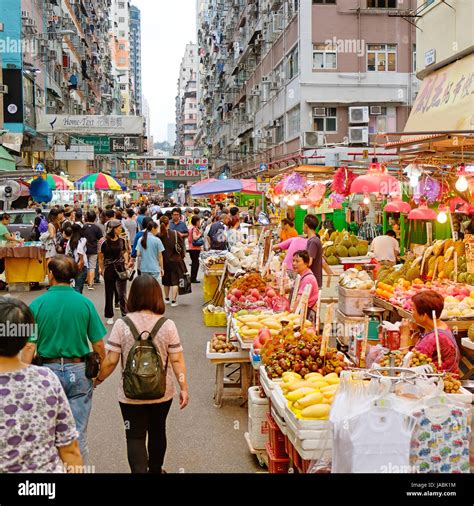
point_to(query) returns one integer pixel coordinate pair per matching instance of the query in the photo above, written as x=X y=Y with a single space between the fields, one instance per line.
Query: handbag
x=197 y=242
x=123 y=275
x=185 y=286
x=92 y=365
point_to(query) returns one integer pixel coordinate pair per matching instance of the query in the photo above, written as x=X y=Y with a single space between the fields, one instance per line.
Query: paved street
x=201 y=438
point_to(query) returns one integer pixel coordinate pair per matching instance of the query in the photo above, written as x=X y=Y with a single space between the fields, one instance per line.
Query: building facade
x=186 y=103
x=279 y=79
x=55 y=60
x=136 y=57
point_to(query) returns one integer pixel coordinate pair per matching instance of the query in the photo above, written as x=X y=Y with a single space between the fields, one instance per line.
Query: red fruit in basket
x=251 y=299
x=271 y=293
x=254 y=293
x=313 y=352
x=297 y=367
x=233 y=298
x=236 y=293
x=305 y=352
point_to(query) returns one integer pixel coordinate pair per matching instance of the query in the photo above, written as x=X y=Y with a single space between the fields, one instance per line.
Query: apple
x=254 y=293
x=236 y=292
x=271 y=293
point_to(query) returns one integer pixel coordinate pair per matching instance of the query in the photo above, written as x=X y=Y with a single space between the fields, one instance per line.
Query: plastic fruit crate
x=276 y=438
x=214 y=319
x=276 y=465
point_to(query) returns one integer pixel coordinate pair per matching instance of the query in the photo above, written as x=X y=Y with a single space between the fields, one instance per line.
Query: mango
x=300 y=393
x=316 y=411
x=309 y=400
x=311 y=375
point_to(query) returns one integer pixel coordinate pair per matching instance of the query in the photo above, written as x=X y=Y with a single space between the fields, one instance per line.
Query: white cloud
x=167 y=26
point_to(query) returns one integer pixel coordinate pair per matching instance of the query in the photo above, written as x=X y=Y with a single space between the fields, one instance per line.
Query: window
x=326 y=123
x=324 y=2
x=123 y=87
x=280 y=74
x=121 y=19
x=121 y=47
x=293 y=118
x=280 y=130
x=293 y=65
x=122 y=61
x=121 y=34
x=121 y=5
x=381 y=4
x=381 y=57
x=386 y=121
x=414 y=58
x=324 y=56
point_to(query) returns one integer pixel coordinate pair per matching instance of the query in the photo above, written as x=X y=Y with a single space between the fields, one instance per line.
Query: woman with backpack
x=145 y=400
x=76 y=248
x=173 y=261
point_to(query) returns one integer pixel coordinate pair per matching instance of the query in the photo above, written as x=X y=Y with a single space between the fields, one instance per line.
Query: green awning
x=7 y=162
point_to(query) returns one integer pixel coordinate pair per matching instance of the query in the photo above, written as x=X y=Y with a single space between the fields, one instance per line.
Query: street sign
x=125 y=144
x=263 y=167
x=39 y=167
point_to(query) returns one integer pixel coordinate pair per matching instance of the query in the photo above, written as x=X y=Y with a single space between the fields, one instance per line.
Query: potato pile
x=219 y=344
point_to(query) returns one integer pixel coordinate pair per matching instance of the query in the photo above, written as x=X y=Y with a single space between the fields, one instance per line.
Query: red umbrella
x=460 y=205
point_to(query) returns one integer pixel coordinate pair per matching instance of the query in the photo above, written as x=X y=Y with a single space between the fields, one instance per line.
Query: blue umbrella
x=216 y=187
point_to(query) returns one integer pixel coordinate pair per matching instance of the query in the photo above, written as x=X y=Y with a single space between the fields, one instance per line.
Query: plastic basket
x=276 y=465
x=276 y=438
x=214 y=319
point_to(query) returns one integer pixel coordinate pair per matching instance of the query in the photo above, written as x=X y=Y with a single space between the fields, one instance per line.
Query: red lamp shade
x=375 y=181
x=422 y=213
x=397 y=206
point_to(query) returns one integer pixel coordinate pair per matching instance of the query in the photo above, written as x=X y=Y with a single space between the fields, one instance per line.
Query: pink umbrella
x=249 y=186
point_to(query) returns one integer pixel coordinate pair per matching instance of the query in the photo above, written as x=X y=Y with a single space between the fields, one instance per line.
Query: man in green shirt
x=66 y=323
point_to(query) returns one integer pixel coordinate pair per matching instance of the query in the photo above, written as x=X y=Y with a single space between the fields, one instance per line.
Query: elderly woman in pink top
x=301 y=267
x=292 y=246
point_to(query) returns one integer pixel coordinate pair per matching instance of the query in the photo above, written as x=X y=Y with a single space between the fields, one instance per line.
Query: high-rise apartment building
x=136 y=57
x=281 y=78
x=121 y=53
x=186 y=103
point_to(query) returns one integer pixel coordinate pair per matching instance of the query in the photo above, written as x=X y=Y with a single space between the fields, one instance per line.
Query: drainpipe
x=359 y=38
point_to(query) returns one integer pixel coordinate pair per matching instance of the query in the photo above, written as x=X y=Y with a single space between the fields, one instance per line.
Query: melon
x=334 y=236
x=353 y=251
x=347 y=242
x=413 y=273
x=330 y=251
x=462 y=277
x=354 y=240
x=362 y=249
x=332 y=260
x=342 y=251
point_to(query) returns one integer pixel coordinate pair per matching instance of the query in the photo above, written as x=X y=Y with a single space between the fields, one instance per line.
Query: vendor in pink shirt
x=292 y=245
x=301 y=267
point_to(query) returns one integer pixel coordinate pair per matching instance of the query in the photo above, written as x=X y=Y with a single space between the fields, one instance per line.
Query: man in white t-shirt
x=386 y=248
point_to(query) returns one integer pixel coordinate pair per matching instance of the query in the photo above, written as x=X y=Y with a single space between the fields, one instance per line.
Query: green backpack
x=144 y=377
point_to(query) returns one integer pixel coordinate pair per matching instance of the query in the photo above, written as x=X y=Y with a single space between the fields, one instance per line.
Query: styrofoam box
x=312 y=454
x=227 y=356
x=303 y=433
x=278 y=401
x=258 y=432
x=467 y=343
x=258 y=406
x=463 y=396
x=352 y=302
x=271 y=384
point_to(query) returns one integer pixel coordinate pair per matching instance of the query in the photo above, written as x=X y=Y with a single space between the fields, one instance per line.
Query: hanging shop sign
x=126 y=144
x=446 y=99
x=91 y=125
x=74 y=152
x=101 y=143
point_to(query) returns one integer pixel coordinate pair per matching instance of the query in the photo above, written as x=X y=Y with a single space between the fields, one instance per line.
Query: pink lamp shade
x=375 y=181
x=422 y=213
x=397 y=206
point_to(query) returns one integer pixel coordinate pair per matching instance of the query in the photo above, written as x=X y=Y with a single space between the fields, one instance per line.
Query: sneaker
x=167 y=301
x=110 y=321
x=90 y=287
x=174 y=303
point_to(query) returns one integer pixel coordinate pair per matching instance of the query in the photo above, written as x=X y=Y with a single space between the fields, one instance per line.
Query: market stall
x=23 y=264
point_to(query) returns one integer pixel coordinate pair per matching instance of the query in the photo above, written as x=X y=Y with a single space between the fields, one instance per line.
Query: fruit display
x=451 y=384
x=213 y=259
x=249 y=281
x=392 y=359
x=310 y=398
x=458 y=298
x=254 y=299
x=356 y=280
x=249 y=323
x=219 y=344
x=343 y=244
x=417 y=358
x=470 y=332
x=299 y=352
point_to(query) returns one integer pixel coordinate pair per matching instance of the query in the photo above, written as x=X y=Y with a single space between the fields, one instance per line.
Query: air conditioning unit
x=276 y=124
x=375 y=110
x=51 y=103
x=358 y=114
x=3 y=88
x=275 y=86
x=29 y=22
x=313 y=139
x=255 y=91
x=319 y=112
x=25 y=14
x=257 y=133
x=277 y=22
x=53 y=54
x=266 y=79
x=358 y=135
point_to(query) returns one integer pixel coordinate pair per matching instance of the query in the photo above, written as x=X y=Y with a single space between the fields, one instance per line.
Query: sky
x=167 y=26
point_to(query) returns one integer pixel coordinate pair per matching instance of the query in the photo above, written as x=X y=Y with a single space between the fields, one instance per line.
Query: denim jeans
x=78 y=389
x=80 y=280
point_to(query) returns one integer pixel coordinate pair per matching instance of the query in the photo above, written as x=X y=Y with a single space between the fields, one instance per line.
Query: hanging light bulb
x=366 y=200
x=442 y=217
x=291 y=202
x=461 y=184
